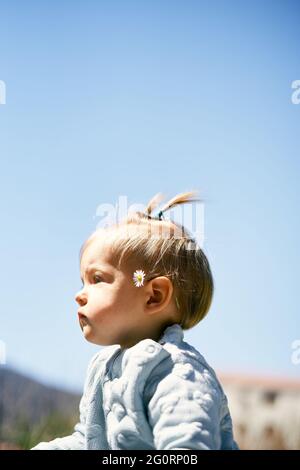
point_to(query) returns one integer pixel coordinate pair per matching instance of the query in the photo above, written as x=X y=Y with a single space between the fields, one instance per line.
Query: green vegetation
x=26 y=435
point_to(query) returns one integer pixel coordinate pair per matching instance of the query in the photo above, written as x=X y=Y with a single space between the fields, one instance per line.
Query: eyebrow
x=93 y=268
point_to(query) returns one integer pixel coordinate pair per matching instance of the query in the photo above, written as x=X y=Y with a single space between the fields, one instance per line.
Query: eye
x=97 y=278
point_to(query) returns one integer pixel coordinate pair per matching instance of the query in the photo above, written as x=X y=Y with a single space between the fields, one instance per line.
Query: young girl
x=145 y=280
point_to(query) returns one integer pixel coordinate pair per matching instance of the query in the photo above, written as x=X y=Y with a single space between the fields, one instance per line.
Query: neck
x=155 y=334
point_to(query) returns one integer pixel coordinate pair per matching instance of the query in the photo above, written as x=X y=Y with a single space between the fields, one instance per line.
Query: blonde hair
x=164 y=248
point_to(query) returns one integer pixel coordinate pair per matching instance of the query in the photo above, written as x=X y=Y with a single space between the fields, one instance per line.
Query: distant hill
x=26 y=404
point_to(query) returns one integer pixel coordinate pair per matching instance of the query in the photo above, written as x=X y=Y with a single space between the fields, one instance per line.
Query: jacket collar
x=148 y=350
x=172 y=334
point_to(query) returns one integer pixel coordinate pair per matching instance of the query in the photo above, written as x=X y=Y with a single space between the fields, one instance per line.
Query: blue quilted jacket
x=154 y=395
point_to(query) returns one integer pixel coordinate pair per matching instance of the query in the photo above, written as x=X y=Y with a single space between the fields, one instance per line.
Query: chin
x=101 y=342
x=87 y=333
x=92 y=339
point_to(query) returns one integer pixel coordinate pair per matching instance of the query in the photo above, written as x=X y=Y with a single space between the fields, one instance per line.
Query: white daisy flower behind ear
x=138 y=278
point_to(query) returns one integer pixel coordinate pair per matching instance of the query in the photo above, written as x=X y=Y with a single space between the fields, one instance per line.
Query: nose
x=80 y=298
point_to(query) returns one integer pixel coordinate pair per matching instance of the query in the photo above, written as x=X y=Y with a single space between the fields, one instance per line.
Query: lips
x=83 y=320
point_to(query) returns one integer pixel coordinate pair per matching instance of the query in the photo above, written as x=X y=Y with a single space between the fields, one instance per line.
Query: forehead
x=97 y=251
x=101 y=249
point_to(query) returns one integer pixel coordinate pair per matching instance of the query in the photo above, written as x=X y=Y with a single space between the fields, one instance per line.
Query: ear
x=158 y=294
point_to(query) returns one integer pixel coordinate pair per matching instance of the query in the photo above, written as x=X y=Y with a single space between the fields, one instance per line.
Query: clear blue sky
x=111 y=98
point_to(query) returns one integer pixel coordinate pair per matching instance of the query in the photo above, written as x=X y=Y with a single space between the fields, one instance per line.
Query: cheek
x=103 y=301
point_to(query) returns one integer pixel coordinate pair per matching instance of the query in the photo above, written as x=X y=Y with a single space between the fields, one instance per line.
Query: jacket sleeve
x=76 y=441
x=184 y=410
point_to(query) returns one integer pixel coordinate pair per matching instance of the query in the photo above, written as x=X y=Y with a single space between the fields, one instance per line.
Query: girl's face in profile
x=110 y=305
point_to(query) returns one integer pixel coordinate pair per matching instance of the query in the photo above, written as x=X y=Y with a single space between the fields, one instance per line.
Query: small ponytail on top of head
x=153 y=203
x=181 y=198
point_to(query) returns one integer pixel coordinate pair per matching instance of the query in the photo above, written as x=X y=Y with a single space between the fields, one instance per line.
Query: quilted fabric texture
x=155 y=395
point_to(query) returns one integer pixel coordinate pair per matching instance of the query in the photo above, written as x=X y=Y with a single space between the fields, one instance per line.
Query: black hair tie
x=159 y=217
